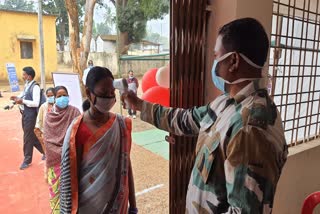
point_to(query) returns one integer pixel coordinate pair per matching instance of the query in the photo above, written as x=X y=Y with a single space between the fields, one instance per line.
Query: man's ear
x=234 y=62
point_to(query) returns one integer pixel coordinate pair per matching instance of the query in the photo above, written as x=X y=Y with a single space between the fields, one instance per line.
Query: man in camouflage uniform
x=241 y=147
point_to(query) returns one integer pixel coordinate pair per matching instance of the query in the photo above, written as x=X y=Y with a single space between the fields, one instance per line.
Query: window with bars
x=295 y=67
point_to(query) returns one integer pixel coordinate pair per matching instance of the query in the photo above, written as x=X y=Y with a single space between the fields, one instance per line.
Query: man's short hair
x=246 y=36
x=30 y=71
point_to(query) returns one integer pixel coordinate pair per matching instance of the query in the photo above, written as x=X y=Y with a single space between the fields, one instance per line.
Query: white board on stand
x=72 y=82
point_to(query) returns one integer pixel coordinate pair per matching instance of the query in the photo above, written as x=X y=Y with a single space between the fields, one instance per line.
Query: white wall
x=93 y=47
x=99 y=44
x=300 y=177
x=105 y=46
x=109 y=47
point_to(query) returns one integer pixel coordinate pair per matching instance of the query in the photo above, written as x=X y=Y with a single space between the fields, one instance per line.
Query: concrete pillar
x=224 y=11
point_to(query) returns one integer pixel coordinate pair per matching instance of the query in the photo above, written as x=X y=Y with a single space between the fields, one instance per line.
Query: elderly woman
x=55 y=127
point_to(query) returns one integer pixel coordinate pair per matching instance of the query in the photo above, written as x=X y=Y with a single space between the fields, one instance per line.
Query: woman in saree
x=55 y=127
x=38 y=130
x=96 y=174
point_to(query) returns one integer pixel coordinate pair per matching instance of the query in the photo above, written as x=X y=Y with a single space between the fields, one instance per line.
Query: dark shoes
x=24 y=166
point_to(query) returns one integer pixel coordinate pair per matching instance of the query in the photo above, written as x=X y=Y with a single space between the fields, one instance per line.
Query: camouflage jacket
x=241 y=150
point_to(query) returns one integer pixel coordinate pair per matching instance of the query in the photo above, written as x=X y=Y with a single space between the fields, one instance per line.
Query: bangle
x=133 y=210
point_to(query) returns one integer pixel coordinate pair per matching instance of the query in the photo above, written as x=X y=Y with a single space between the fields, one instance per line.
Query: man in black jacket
x=29 y=101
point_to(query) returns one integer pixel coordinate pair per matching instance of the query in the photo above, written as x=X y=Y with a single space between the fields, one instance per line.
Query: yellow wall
x=13 y=24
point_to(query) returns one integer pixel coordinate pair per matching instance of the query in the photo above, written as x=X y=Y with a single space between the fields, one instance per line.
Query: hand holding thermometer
x=122 y=86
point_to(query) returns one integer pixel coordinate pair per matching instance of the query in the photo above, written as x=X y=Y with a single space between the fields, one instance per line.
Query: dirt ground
x=26 y=192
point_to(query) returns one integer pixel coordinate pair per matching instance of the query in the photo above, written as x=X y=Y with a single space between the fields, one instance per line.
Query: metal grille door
x=187 y=66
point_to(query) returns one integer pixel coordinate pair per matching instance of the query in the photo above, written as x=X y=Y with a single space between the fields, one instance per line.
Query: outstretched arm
x=177 y=121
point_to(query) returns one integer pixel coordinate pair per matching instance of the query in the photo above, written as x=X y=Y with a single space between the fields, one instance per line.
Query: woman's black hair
x=85 y=105
x=57 y=88
x=95 y=74
x=50 y=89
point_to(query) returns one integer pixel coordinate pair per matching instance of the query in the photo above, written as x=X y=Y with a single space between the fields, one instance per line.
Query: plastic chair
x=310 y=203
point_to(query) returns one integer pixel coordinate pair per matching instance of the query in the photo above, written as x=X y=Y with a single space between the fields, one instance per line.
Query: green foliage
x=57 y=7
x=102 y=29
x=157 y=38
x=153 y=37
x=155 y=9
x=18 y=5
x=134 y=15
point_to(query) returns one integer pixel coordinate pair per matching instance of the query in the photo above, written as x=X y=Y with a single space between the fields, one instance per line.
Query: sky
x=160 y=26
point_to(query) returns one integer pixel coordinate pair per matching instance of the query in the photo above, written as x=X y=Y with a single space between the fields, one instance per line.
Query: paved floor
x=26 y=191
x=21 y=191
x=154 y=141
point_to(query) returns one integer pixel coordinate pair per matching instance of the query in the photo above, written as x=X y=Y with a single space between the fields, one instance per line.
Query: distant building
x=106 y=43
x=150 y=47
x=20 y=42
x=145 y=47
x=93 y=44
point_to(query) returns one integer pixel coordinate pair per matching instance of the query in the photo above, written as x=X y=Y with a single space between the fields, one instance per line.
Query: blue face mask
x=62 y=102
x=50 y=99
x=219 y=82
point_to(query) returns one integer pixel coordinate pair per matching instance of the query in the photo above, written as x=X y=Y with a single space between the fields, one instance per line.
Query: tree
x=19 y=5
x=153 y=37
x=79 y=50
x=106 y=26
x=74 y=40
x=103 y=29
x=133 y=16
x=58 y=8
x=157 y=38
